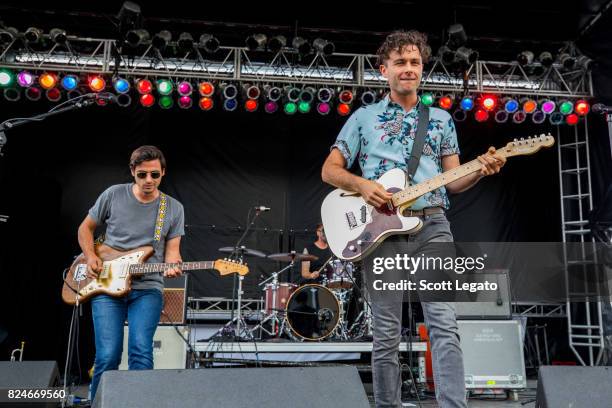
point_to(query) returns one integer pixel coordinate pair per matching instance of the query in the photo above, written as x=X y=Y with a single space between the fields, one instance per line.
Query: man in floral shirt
x=380 y=138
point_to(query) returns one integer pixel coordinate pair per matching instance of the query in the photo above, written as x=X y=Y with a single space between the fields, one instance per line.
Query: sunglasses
x=143 y=174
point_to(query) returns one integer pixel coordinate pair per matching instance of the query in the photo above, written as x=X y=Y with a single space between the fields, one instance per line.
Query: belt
x=424 y=212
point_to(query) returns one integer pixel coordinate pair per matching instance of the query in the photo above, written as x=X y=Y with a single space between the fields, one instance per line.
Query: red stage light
x=251 y=105
x=346 y=96
x=144 y=86
x=481 y=115
x=344 y=109
x=572 y=119
x=206 y=103
x=581 y=107
x=206 y=88
x=96 y=83
x=445 y=102
x=147 y=100
x=489 y=103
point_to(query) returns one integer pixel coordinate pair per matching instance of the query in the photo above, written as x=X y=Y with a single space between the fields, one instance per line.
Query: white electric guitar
x=354 y=228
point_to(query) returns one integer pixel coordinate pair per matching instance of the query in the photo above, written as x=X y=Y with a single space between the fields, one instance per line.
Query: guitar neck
x=144 y=268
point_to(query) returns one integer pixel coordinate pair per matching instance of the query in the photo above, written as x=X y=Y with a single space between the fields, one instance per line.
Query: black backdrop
x=220 y=164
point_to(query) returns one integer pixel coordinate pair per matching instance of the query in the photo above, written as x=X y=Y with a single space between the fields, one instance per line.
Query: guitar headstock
x=227 y=267
x=528 y=146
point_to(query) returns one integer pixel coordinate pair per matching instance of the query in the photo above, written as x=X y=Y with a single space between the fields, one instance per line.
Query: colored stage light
x=459 y=115
x=572 y=119
x=206 y=88
x=303 y=107
x=467 y=103
x=166 y=102
x=47 y=80
x=147 y=100
x=427 y=99
x=229 y=91
x=124 y=100
x=538 y=117
x=519 y=117
x=230 y=104
x=290 y=108
x=489 y=102
x=325 y=94
x=251 y=105
x=33 y=93
x=25 y=79
x=7 y=78
x=70 y=82
x=96 y=83
x=501 y=116
x=511 y=105
x=271 y=107
x=556 y=118
x=581 y=107
x=252 y=92
x=144 y=86
x=206 y=103
x=54 y=94
x=164 y=87
x=121 y=85
x=368 y=98
x=185 y=88
x=185 y=102
x=273 y=93
x=12 y=94
x=346 y=96
x=566 y=107
x=343 y=109
x=529 y=105
x=481 y=115
x=445 y=102
x=323 y=108
x=548 y=106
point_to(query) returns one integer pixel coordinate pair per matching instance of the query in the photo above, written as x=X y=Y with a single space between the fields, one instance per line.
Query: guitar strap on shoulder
x=419 y=141
x=161 y=216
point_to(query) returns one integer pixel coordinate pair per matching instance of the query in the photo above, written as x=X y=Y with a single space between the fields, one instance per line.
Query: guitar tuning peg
x=522 y=138
x=515 y=139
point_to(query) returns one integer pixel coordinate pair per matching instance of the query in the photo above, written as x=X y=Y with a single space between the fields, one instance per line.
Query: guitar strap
x=419 y=141
x=161 y=216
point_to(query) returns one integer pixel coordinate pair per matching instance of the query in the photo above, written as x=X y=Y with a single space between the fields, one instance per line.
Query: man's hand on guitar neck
x=492 y=162
x=373 y=193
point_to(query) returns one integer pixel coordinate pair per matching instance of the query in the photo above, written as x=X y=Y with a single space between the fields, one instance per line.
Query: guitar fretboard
x=144 y=268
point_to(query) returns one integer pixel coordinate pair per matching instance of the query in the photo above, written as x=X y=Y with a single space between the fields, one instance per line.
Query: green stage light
x=164 y=87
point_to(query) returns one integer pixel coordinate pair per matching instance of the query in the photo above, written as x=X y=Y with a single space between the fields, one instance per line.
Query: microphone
x=261 y=208
x=601 y=108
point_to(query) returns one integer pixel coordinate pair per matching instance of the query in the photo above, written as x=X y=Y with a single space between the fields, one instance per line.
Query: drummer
x=319 y=248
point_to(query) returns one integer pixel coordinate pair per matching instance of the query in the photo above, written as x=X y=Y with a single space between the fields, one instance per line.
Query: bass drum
x=313 y=312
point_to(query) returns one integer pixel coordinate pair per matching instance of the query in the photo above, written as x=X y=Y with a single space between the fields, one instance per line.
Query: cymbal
x=292 y=256
x=243 y=250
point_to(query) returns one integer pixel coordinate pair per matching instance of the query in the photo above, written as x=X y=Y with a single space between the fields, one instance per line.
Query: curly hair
x=398 y=40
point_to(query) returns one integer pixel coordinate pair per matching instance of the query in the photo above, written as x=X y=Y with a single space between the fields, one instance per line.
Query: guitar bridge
x=352 y=222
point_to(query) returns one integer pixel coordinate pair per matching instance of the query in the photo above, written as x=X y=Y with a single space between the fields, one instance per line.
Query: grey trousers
x=440 y=319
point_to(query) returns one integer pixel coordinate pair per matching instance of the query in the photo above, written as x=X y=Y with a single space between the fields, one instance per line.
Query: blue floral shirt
x=380 y=137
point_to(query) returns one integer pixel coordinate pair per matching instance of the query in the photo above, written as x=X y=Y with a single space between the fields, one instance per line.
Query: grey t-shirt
x=131 y=224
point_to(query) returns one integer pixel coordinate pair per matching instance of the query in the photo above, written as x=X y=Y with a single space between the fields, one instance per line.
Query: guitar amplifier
x=169 y=348
x=174 y=310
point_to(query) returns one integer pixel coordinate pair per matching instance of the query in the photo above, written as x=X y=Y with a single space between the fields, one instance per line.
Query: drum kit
x=331 y=310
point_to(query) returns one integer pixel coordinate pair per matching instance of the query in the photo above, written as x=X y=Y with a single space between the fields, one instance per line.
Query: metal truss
x=87 y=55
x=218 y=308
x=539 y=309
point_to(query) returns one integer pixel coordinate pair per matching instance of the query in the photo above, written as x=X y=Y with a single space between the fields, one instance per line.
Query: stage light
x=446 y=54
x=124 y=100
x=548 y=106
x=277 y=43
x=556 y=118
x=584 y=62
x=33 y=93
x=456 y=35
x=481 y=115
x=8 y=34
x=525 y=58
x=467 y=103
x=256 y=42
x=7 y=78
x=206 y=103
x=566 y=107
x=271 y=107
x=252 y=91
x=54 y=94
x=164 y=87
x=121 y=85
x=58 y=36
x=137 y=37
x=303 y=107
x=501 y=116
x=510 y=105
x=206 y=88
x=568 y=61
x=307 y=95
x=466 y=56
x=96 y=83
x=427 y=99
x=185 y=102
x=185 y=42
x=185 y=88
x=572 y=119
x=343 y=109
x=346 y=96
x=538 y=117
x=581 y=107
x=47 y=80
x=293 y=93
x=290 y=108
x=273 y=93
x=230 y=104
x=33 y=35
x=325 y=94
x=147 y=100
x=323 y=46
x=165 y=102
x=529 y=105
x=489 y=102
x=210 y=43
x=546 y=59
x=323 y=108
x=251 y=105
x=12 y=94
x=144 y=86
x=445 y=102
x=70 y=82
x=368 y=98
x=229 y=91
x=161 y=39
x=459 y=115
x=25 y=79
x=73 y=94
x=302 y=46
x=519 y=117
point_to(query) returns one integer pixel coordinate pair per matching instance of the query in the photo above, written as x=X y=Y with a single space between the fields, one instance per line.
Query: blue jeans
x=142 y=309
x=441 y=322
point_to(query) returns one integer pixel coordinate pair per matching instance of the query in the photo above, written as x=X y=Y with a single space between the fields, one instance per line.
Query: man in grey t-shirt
x=130 y=212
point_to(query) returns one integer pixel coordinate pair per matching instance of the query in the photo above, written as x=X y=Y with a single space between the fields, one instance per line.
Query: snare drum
x=340 y=275
x=313 y=312
x=283 y=291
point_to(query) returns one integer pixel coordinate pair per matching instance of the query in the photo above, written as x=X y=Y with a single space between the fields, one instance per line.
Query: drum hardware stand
x=364 y=319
